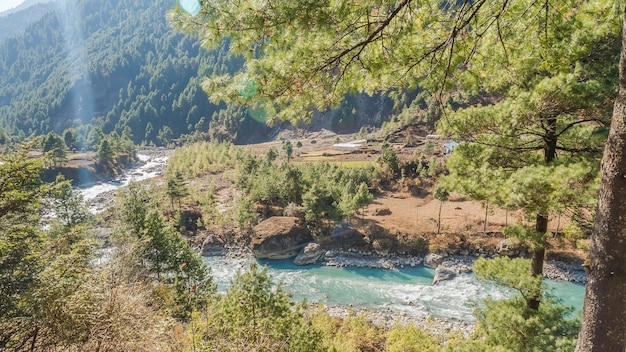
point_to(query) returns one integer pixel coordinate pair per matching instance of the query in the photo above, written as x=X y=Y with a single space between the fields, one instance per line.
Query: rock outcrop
x=433 y=260
x=309 y=254
x=443 y=273
x=279 y=237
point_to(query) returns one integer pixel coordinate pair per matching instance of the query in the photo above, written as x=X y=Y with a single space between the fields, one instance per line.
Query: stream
x=406 y=291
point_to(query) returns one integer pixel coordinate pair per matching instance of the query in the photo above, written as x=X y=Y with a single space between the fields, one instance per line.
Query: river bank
x=553 y=270
x=100 y=194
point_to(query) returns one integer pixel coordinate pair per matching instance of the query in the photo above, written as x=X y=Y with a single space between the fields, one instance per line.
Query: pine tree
x=105 y=152
x=440 y=193
x=176 y=188
x=288 y=149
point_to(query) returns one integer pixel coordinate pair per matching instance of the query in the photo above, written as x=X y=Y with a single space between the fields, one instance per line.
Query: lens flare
x=190 y=6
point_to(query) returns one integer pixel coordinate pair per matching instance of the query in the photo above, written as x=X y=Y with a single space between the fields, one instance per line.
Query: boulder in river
x=279 y=237
x=443 y=273
x=309 y=254
x=433 y=260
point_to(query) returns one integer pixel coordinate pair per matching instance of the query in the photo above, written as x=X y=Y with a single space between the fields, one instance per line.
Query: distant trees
x=390 y=159
x=124 y=84
x=354 y=198
x=69 y=138
x=288 y=149
x=55 y=145
x=245 y=214
x=440 y=193
x=326 y=191
x=105 y=152
x=176 y=188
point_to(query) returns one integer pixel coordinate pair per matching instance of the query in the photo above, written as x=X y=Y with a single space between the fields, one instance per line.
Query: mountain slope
x=113 y=63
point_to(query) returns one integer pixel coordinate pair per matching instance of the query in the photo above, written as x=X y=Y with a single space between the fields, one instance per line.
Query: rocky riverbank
x=100 y=194
x=554 y=270
x=387 y=318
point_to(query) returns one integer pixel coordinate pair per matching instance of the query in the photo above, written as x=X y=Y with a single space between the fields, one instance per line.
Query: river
x=151 y=163
x=405 y=291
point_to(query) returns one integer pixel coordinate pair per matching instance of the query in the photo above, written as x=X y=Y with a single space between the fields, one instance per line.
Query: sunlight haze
x=9 y=4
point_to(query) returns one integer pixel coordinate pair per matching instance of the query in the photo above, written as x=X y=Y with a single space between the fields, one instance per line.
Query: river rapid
x=406 y=292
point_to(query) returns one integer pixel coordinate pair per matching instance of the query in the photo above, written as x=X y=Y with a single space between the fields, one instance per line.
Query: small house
x=449 y=147
x=351 y=146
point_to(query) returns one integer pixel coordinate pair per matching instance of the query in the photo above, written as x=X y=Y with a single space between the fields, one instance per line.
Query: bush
x=257 y=315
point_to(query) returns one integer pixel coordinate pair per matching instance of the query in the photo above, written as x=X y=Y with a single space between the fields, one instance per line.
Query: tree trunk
x=439 y=221
x=506 y=218
x=486 y=215
x=541 y=222
x=603 y=325
x=536 y=265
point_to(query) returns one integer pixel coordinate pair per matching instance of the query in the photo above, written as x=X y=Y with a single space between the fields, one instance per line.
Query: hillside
x=118 y=65
x=115 y=64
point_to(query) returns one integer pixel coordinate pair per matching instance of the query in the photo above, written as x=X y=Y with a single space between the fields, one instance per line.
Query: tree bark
x=603 y=325
x=541 y=222
x=536 y=263
x=486 y=215
x=439 y=221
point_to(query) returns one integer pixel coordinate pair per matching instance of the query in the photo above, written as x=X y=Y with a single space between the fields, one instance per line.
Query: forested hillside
x=116 y=65
x=111 y=63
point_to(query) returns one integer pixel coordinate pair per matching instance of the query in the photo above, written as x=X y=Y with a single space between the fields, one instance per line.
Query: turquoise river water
x=406 y=290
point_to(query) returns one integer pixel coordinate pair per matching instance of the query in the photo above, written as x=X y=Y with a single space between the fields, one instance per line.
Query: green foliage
x=271 y=155
x=244 y=213
x=176 y=187
x=159 y=249
x=53 y=144
x=353 y=198
x=68 y=205
x=129 y=69
x=69 y=137
x=390 y=159
x=105 y=152
x=230 y=123
x=39 y=270
x=256 y=315
x=288 y=149
x=507 y=272
x=134 y=204
x=356 y=333
x=325 y=191
x=206 y=157
x=440 y=193
x=280 y=184
x=509 y=324
x=410 y=338
x=429 y=148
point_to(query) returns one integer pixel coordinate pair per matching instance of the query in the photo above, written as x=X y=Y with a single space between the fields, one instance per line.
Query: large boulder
x=443 y=273
x=279 y=237
x=309 y=254
x=433 y=260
